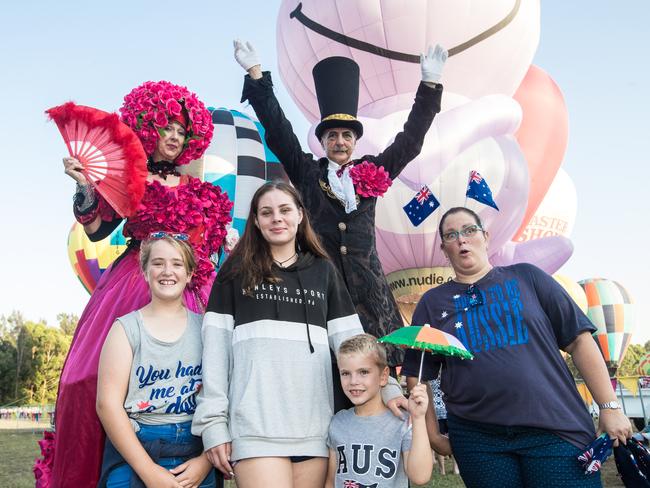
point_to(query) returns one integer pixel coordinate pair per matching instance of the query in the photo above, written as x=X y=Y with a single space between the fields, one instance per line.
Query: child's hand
x=418 y=401
x=191 y=473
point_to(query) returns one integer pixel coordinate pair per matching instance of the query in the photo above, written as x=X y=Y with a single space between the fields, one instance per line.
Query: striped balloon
x=611 y=309
x=238 y=160
x=90 y=259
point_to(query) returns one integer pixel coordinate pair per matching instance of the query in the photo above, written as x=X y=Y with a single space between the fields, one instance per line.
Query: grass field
x=19 y=449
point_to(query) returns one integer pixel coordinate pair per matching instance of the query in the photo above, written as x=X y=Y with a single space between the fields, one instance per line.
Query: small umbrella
x=427 y=338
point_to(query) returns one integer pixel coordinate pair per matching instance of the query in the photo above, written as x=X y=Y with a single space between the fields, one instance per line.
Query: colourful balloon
x=574 y=290
x=556 y=215
x=611 y=309
x=543 y=135
x=90 y=259
x=491 y=45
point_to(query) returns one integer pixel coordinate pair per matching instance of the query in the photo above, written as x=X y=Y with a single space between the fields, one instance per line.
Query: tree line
x=31 y=358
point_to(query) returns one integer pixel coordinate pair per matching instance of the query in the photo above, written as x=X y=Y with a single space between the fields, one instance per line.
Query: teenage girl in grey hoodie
x=277 y=308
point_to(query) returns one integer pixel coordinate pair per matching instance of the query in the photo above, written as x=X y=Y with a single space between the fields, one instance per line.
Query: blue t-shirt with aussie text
x=514 y=320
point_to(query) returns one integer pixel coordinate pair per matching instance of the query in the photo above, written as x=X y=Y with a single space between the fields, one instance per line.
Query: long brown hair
x=251 y=258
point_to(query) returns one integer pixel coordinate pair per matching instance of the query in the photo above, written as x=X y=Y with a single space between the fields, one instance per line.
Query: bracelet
x=85 y=204
x=84 y=198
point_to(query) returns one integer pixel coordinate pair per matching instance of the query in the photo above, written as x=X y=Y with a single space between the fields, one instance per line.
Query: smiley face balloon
x=490 y=44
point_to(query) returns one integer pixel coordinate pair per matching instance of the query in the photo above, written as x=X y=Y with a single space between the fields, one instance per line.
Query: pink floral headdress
x=148 y=109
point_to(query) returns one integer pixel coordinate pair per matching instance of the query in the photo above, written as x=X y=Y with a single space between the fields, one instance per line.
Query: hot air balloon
x=543 y=135
x=475 y=131
x=611 y=309
x=556 y=215
x=574 y=290
x=238 y=160
x=491 y=45
x=90 y=259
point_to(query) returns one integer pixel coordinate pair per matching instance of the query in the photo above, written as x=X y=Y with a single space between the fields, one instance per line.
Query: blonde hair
x=365 y=344
x=182 y=247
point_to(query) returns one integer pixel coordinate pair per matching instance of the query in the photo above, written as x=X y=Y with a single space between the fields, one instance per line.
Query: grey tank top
x=165 y=376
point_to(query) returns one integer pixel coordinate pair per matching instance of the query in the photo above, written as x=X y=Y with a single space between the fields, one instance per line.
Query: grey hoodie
x=267 y=374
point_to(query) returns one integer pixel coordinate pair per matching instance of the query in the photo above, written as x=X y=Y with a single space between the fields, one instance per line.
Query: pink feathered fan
x=112 y=156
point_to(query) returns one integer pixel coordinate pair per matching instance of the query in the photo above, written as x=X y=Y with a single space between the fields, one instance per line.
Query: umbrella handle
x=421 y=363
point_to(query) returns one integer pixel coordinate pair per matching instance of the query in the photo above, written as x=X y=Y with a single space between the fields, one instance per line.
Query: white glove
x=245 y=54
x=432 y=63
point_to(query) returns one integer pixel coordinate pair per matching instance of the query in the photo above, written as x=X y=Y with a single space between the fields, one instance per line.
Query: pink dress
x=194 y=207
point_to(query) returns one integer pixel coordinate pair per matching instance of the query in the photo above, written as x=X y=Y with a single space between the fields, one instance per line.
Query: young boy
x=369 y=446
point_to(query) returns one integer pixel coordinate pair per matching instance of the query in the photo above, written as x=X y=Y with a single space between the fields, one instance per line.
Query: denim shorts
x=120 y=477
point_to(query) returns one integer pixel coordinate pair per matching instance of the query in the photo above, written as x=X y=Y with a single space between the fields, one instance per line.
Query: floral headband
x=150 y=107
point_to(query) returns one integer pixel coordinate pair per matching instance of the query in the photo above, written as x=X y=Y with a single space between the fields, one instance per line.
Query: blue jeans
x=120 y=477
x=491 y=456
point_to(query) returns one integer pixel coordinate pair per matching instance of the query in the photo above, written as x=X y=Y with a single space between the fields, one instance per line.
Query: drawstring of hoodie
x=304 y=301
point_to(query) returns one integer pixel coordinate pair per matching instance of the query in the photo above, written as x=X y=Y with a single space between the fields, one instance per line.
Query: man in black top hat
x=344 y=219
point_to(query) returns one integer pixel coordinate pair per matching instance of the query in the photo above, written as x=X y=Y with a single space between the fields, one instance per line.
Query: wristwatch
x=613 y=405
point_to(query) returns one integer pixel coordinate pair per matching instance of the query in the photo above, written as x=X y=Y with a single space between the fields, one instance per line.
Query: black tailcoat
x=348 y=238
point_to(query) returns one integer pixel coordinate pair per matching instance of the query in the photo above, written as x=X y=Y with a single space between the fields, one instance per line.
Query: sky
x=95 y=52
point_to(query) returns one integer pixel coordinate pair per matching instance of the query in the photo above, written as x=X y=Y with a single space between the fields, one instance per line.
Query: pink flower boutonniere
x=370 y=180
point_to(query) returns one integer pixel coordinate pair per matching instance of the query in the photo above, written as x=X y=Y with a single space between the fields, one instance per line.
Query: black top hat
x=337 y=89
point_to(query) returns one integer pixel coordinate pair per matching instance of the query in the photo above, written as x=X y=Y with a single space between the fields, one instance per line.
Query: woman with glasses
x=514 y=415
x=174 y=127
x=149 y=374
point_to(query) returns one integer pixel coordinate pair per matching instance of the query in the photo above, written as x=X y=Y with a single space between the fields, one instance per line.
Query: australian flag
x=478 y=189
x=423 y=204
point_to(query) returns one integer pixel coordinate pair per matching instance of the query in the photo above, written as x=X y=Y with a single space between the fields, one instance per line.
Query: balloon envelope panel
x=611 y=309
x=238 y=160
x=495 y=43
x=90 y=259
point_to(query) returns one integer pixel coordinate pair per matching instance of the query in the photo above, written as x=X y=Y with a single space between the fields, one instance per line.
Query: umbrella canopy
x=427 y=338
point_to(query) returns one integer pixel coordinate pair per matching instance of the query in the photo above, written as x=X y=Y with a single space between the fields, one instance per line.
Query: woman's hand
x=72 y=168
x=159 y=477
x=397 y=405
x=219 y=456
x=616 y=424
x=192 y=472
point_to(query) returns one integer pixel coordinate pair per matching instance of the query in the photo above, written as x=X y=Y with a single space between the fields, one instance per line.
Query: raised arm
x=408 y=143
x=112 y=386
x=258 y=90
x=418 y=461
x=87 y=204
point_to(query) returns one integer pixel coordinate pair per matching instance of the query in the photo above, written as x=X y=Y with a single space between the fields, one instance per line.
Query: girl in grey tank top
x=149 y=373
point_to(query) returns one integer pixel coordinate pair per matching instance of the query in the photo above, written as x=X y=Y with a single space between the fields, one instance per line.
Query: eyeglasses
x=475 y=296
x=161 y=234
x=468 y=231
